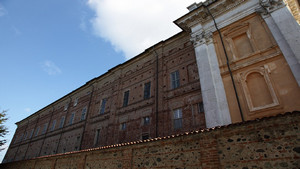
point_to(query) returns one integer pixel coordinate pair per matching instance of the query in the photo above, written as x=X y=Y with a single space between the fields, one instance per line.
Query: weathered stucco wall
x=267 y=143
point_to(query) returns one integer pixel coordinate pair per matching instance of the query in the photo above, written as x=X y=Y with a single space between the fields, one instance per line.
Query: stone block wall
x=272 y=142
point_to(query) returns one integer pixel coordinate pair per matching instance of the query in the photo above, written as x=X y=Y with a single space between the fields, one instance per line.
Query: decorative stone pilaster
x=285 y=30
x=213 y=92
x=202 y=37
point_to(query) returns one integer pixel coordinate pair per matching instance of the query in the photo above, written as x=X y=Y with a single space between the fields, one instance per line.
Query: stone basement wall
x=272 y=142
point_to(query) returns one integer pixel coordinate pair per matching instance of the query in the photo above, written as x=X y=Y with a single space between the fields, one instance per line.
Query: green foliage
x=3 y=129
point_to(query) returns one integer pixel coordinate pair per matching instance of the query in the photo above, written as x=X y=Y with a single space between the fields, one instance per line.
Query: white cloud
x=50 y=68
x=2 y=10
x=131 y=26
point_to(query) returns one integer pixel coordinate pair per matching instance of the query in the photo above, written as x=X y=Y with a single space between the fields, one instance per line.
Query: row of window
x=175 y=83
x=74 y=104
x=177 y=121
x=61 y=124
x=146 y=121
x=177 y=118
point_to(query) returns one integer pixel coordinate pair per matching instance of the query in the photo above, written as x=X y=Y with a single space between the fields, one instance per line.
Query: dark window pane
x=175 y=80
x=177 y=119
x=123 y=126
x=125 y=100
x=83 y=114
x=147 y=90
x=200 y=107
x=62 y=121
x=177 y=123
x=102 y=108
x=146 y=120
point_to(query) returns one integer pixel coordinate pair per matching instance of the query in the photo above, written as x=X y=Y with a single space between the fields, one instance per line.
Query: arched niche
x=258 y=89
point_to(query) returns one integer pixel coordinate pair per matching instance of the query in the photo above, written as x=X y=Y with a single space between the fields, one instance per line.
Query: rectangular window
x=71 y=118
x=200 y=107
x=177 y=119
x=66 y=107
x=125 y=99
x=75 y=102
x=123 y=126
x=62 y=121
x=102 y=107
x=31 y=133
x=53 y=125
x=37 y=131
x=25 y=135
x=45 y=128
x=146 y=120
x=175 y=80
x=97 y=137
x=21 y=138
x=147 y=90
x=83 y=114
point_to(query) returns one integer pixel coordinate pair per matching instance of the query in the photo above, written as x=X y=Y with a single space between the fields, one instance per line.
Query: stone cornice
x=198 y=13
x=268 y=6
x=202 y=37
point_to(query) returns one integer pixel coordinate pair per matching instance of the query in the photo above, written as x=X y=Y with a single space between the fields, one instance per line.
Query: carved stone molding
x=264 y=71
x=198 y=12
x=268 y=6
x=202 y=37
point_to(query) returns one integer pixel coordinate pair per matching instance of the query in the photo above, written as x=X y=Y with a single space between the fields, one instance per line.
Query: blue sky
x=49 y=48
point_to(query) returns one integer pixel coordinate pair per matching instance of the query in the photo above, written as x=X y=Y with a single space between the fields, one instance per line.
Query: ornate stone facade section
x=198 y=12
x=268 y=6
x=202 y=37
x=258 y=89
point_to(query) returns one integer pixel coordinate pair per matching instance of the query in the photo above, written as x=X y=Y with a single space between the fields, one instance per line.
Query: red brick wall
x=177 y=53
x=266 y=143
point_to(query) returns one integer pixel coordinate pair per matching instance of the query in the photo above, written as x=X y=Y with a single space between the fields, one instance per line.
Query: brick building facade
x=120 y=106
x=180 y=84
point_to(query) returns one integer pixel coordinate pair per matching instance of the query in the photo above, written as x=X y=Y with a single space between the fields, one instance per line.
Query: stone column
x=213 y=92
x=285 y=30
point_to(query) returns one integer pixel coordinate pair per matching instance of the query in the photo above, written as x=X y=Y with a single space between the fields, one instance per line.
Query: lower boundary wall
x=272 y=142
